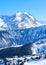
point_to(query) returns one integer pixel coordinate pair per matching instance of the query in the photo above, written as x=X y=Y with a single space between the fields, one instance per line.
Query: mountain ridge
x=20 y=20
x=21 y=29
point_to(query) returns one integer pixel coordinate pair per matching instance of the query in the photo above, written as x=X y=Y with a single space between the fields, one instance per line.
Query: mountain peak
x=25 y=20
x=21 y=20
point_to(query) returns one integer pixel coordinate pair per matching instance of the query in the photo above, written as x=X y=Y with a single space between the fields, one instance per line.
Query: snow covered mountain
x=21 y=20
x=21 y=29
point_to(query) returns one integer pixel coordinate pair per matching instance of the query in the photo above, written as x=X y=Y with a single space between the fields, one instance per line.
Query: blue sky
x=35 y=7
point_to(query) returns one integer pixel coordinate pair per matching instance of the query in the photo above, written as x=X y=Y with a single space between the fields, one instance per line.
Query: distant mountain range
x=21 y=29
x=20 y=20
